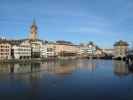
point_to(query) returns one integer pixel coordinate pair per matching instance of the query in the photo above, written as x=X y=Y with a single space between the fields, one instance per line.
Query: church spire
x=34 y=24
x=33 y=32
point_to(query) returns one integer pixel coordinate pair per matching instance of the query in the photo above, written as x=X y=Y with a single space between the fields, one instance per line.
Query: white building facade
x=22 y=51
x=36 y=46
x=48 y=50
x=88 y=50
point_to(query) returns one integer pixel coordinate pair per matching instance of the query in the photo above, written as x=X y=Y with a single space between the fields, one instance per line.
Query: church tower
x=33 y=31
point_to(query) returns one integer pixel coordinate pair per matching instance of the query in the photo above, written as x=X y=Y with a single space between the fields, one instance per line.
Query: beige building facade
x=120 y=49
x=66 y=49
x=5 y=50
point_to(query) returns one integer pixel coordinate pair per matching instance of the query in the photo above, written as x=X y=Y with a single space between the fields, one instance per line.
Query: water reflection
x=59 y=67
x=87 y=64
x=120 y=68
x=60 y=79
x=65 y=67
x=55 y=67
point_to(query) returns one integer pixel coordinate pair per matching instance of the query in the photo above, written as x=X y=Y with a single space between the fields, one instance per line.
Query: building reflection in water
x=63 y=67
x=120 y=68
x=19 y=68
x=34 y=80
x=87 y=64
x=5 y=68
x=59 y=67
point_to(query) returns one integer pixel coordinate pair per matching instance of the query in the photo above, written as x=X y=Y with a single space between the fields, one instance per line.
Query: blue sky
x=101 y=21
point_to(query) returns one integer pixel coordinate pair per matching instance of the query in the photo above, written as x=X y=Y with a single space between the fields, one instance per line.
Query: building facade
x=5 y=50
x=87 y=50
x=36 y=48
x=109 y=52
x=48 y=50
x=99 y=53
x=120 y=49
x=83 y=51
x=64 y=48
x=91 y=49
x=22 y=50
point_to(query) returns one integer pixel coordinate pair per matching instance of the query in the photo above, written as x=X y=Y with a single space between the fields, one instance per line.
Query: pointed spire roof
x=34 y=24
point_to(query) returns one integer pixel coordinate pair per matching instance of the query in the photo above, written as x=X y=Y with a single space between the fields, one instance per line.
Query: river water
x=66 y=80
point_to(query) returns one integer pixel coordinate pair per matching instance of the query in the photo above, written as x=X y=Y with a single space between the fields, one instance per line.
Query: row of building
x=35 y=48
x=27 y=49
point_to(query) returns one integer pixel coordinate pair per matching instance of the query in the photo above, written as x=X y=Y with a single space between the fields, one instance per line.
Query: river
x=66 y=80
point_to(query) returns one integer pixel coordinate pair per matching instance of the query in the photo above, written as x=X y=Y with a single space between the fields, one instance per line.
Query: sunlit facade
x=48 y=50
x=22 y=51
x=66 y=49
x=5 y=50
x=120 y=49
